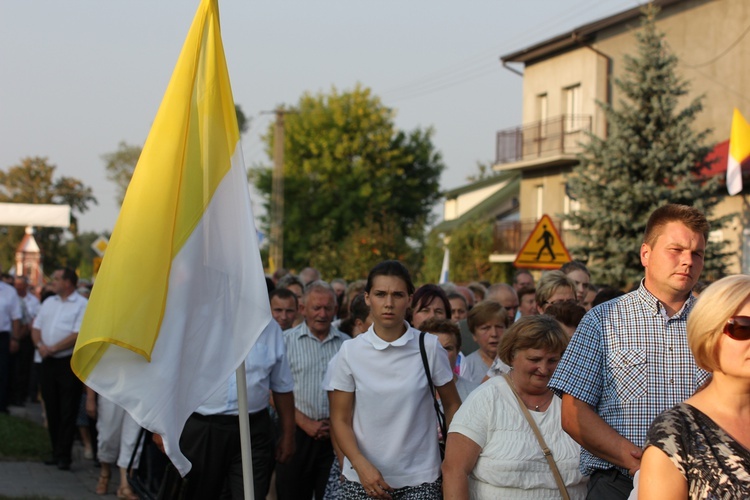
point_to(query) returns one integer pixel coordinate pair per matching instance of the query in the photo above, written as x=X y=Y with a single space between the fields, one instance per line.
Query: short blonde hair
x=549 y=283
x=705 y=326
x=532 y=332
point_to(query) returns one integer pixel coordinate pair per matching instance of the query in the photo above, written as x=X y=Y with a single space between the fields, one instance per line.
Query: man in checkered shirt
x=629 y=359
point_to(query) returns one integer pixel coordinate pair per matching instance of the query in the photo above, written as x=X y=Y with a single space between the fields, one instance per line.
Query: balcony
x=509 y=236
x=547 y=138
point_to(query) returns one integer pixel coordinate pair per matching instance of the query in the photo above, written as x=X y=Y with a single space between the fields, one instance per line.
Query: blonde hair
x=549 y=284
x=705 y=326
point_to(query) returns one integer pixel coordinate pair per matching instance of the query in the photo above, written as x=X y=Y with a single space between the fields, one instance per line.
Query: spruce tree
x=651 y=156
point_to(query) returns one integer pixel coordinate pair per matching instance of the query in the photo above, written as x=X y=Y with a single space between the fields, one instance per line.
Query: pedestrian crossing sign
x=544 y=248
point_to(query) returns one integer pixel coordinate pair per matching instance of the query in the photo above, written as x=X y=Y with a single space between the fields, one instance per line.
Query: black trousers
x=61 y=391
x=212 y=444
x=4 y=370
x=307 y=472
x=21 y=371
x=609 y=484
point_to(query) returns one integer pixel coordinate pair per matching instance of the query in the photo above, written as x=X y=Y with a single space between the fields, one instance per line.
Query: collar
x=304 y=331
x=380 y=344
x=655 y=306
x=70 y=298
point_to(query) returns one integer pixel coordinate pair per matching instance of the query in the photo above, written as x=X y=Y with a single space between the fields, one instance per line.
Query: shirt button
x=671 y=381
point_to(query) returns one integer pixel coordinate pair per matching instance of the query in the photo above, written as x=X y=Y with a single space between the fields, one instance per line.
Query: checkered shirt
x=629 y=362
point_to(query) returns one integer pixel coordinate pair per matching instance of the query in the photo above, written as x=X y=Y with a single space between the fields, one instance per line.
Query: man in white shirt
x=10 y=316
x=54 y=334
x=211 y=437
x=24 y=357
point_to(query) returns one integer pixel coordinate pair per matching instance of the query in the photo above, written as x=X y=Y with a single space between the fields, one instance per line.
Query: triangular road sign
x=544 y=248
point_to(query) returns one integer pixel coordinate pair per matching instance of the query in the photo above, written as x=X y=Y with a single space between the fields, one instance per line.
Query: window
x=539 y=201
x=542 y=113
x=572 y=103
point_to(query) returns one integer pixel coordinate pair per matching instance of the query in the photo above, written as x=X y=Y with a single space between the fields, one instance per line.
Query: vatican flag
x=181 y=297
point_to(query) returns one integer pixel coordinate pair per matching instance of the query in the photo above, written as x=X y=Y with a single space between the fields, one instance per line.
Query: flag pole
x=247 y=455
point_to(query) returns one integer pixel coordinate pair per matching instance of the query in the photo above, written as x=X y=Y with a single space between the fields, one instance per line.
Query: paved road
x=19 y=479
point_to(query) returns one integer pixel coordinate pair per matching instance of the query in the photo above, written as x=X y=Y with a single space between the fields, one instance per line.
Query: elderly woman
x=487 y=322
x=492 y=451
x=554 y=287
x=701 y=448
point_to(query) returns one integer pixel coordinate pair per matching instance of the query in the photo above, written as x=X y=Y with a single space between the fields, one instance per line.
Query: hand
x=372 y=481
x=13 y=345
x=636 y=454
x=285 y=449
x=317 y=429
x=44 y=350
x=159 y=442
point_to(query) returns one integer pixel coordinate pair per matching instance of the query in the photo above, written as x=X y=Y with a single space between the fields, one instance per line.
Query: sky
x=80 y=76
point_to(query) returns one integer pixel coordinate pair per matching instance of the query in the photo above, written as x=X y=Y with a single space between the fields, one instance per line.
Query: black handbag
x=438 y=410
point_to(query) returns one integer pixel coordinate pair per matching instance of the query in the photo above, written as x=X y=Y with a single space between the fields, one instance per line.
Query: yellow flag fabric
x=739 y=151
x=180 y=297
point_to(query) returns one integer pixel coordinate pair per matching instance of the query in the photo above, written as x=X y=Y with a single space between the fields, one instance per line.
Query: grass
x=22 y=440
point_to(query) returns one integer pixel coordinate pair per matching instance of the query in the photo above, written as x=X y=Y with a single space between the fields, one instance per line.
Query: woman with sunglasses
x=701 y=448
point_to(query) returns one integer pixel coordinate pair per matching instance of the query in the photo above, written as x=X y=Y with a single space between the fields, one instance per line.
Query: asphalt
x=25 y=479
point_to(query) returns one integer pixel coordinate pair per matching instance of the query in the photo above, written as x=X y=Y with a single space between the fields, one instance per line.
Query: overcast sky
x=79 y=76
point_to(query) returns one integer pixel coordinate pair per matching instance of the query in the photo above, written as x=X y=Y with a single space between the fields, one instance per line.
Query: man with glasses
x=629 y=359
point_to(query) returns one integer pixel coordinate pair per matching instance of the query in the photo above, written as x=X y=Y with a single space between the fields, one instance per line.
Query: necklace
x=533 y=407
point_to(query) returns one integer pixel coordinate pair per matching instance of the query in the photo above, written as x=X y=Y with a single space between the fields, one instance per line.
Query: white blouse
x=511 y=463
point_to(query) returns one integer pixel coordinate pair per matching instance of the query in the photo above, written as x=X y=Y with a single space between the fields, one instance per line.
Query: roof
x=576 y=37
x=483 y=183
x=503 y=201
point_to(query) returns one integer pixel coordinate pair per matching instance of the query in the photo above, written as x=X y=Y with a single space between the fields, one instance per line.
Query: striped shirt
x=630 y=362
x=308 y=359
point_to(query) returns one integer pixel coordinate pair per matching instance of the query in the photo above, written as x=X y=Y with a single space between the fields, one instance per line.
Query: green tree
x=33 y=181
x=650 y=157
x=469 y=246
x=120 y=164
x=347 y=167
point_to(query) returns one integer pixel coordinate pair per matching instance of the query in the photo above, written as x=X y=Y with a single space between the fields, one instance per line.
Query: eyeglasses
x=738 y=327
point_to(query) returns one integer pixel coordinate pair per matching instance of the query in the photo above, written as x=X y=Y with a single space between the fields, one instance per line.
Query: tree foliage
x=469 y=246
x=33 y=181
x=651 y=156
x=120 y=166
x=347 y=170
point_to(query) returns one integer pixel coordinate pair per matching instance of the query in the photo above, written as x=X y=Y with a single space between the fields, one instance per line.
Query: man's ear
x=645 y=254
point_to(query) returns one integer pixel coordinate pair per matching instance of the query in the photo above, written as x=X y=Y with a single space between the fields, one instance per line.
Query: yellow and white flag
x=181 y=297
x=739 y=152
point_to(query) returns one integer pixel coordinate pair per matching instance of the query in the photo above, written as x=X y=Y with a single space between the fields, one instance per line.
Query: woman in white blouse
x=382 y=412
x=491 y=450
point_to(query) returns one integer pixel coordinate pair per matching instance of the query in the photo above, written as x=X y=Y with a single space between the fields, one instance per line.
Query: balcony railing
x=509 y=236
x=558 y=135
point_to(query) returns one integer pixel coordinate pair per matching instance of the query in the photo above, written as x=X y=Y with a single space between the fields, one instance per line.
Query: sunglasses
x=738 y=327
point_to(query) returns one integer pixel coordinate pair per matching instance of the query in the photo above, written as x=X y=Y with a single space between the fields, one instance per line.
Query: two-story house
x=564 y=76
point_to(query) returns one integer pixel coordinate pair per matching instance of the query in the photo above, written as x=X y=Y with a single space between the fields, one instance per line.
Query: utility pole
x=277 y=195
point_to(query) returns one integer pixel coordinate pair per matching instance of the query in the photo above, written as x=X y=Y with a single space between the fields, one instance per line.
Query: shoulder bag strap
x=440 y=414
x=540 y=438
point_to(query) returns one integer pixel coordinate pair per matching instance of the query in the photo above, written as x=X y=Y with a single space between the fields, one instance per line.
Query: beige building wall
x=708 y=37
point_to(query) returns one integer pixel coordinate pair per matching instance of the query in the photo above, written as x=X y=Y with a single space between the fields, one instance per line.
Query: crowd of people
x=547 y=387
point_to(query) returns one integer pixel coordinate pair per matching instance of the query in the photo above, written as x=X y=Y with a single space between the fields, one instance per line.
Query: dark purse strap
x=440 y=414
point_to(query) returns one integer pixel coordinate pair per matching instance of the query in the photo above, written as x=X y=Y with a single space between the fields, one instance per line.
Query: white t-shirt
x=394 y=418
x=58 y=318
x=511 y=463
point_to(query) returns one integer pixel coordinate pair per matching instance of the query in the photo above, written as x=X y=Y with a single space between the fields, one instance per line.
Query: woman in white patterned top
x=491 y=451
